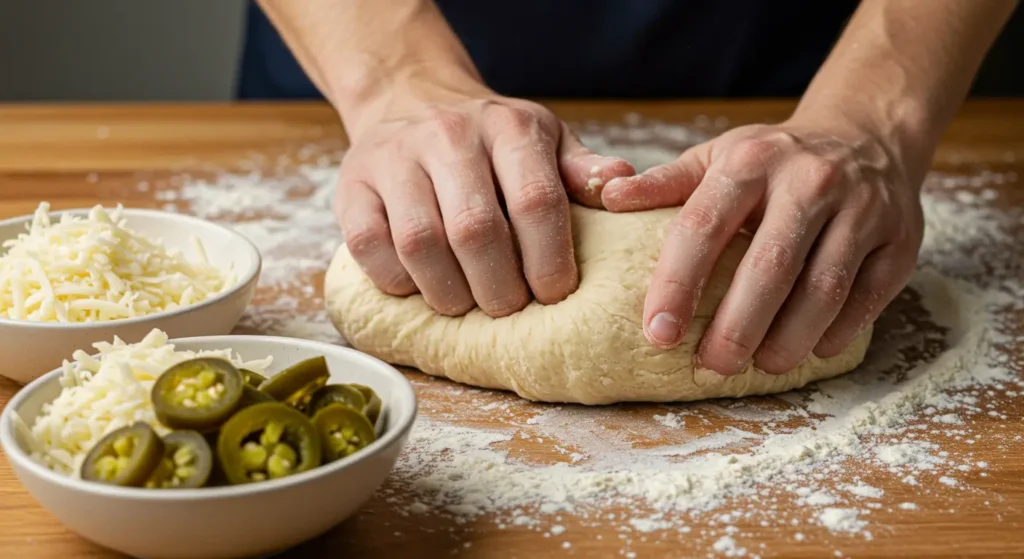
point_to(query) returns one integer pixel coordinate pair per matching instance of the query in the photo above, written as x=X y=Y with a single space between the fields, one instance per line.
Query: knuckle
x=866 y=202
x=908 y=236
x=832 y=343
x=538 y=197
x=770 y=258
x=453 y=306
x=505 y=305
x=394 y=282
x=776 y=359
x=750 y=153
x=416 y=237
x=474 y=228
x=699 y=221
x=735 y=341
x=449 y=127
x=819 y=177
x=366 y=238
x=516 y=119
x=678 y=288
x=830 y=285
x=553 y=283
x=821 y=170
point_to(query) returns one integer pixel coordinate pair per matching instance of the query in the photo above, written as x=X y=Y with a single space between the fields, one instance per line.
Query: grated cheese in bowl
x=96 y=269
x=108 y=391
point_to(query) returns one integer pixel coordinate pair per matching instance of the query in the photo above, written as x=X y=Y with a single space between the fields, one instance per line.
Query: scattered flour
x=726 y=545
x=865 y=491
x=670 y=420
x=934 y=363
x=841 y=520
x=820 y=498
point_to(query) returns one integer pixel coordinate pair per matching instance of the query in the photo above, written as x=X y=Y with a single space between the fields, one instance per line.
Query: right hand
x=421 y=194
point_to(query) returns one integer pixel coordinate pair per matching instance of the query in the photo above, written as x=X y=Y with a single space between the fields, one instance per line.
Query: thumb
x=663 y=186
x=584 y=172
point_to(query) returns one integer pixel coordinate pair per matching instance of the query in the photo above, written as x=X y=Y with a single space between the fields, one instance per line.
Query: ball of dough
x=588 y=349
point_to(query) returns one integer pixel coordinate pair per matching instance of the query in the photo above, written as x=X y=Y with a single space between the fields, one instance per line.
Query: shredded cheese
x=108 y=391
x=96 y=269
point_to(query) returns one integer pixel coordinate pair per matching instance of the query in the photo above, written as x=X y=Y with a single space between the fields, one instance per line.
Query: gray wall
x=119 y=50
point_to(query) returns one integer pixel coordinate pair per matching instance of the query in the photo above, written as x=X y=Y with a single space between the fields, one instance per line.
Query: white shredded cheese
x=107 y=391
x=96 y=269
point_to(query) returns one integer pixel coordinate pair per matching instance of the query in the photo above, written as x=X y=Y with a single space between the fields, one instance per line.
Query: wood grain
x=75 y=156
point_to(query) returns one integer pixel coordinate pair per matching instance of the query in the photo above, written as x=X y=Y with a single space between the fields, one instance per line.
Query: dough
x=588 y=349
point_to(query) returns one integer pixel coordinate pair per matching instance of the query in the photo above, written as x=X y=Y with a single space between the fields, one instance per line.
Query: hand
x=423 y=189
x=838 y=225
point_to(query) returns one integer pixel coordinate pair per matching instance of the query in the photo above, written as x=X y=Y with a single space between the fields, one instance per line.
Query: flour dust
x=703 y=470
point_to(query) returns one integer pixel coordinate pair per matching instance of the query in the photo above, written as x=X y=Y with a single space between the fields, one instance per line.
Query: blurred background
x=188 y=50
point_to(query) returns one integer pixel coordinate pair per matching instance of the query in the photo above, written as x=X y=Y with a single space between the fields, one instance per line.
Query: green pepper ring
x=147 y=451
x=199 y=419
x=335 y=393
x=203 y=454
x=373 y=402
x=296 y=384
x=252 y=420
x=335 y=416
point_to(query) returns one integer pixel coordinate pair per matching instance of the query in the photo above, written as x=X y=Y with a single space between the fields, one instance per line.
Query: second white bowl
x=32 y=348
x=223 y=522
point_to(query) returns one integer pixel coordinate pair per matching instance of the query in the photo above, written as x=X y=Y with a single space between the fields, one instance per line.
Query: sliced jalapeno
x=373 y=402
x=266 y=441
x=296 y=384
x=197 y=394
x=125 y=456
x=187 y=462
x=252 y=396
x=335 y=394
x=343 y=431
x=252 y=378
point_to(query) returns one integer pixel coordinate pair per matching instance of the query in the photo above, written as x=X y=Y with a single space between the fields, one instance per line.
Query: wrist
x=901 y=128
x=379 y=91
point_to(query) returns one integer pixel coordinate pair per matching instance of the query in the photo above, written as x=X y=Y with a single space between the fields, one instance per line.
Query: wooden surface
x=75 y=156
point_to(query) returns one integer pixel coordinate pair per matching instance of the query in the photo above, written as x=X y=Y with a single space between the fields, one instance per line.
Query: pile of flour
x=938 y=360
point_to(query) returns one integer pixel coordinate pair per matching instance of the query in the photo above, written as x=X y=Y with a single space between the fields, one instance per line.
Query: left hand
x=838 y=225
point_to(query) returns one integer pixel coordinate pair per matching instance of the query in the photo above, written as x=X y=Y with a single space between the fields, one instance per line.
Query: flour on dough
x=588 y=349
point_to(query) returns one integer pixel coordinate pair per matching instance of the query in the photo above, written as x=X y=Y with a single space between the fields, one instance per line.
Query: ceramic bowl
x=220 y=522
x=32 y=348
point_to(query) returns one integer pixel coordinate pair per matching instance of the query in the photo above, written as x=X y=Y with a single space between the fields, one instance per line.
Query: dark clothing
x=608 y=48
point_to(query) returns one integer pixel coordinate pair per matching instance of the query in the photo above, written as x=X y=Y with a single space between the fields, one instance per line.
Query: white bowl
x=235 y=521
x=32 y=348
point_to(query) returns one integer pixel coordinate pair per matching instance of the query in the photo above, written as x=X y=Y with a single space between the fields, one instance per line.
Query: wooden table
x=75 y=156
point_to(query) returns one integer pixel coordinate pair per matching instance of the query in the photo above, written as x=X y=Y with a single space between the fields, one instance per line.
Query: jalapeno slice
x=252 y=396
x=373 y=402
x=296 y=384
x=266 y=441
x=197 y=394
x=187 y=462
x=252 y=378
x=343 y=431
x=336 y=394
x=125 y=456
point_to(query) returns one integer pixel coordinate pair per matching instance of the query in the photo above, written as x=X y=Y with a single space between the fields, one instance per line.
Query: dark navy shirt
x=607 y=48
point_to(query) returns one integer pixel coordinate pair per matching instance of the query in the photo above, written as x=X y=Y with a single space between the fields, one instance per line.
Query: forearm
x=356 y=50
x=903 y=67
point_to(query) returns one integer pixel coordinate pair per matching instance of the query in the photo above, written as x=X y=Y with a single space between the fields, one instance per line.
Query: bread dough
x=590 y=348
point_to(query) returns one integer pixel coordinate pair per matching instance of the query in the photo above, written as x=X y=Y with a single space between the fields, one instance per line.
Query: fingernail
x=664 y=329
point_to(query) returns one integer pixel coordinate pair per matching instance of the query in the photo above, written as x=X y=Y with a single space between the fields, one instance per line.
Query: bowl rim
x=244 y=279
x=393 y=436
